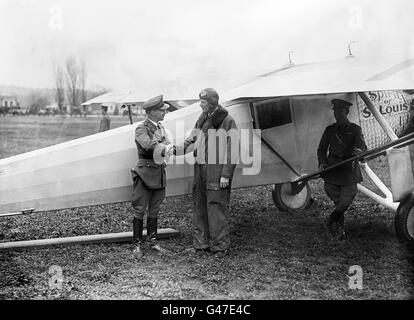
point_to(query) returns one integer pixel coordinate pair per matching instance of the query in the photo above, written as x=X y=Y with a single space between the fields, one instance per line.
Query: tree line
x=70 y=84
x=68 y=90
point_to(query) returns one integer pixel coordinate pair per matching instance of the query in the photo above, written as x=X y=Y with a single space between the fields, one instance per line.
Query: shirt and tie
x=157 y=124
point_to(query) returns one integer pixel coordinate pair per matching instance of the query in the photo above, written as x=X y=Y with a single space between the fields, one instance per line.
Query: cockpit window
x=270 y=114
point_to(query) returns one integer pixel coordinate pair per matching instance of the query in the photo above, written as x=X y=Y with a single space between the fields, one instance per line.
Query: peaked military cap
x=339 y=103
x=210 y=95
x=155 y=103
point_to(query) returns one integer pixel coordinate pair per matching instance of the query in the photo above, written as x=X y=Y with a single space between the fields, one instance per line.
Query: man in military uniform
x=149 y=179
x=105 y=123
x=212 y=179
x=339 y=142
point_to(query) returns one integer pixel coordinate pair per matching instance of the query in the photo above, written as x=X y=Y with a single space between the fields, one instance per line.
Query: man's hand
x=322 y=166
x=357 y=151
x=224 y=182
x=170 y=149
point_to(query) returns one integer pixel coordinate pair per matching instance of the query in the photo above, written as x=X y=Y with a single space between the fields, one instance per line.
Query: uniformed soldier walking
x=212 y=177
x=105 y=123
x=149 y=179
x=339 y=142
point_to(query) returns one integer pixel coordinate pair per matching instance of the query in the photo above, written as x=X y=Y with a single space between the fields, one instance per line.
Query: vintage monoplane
x=284 y=113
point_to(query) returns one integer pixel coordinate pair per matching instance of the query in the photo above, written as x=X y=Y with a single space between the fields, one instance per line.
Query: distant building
x=136 y=109
x=52 y=108
x=95 y=108
x=9 y=104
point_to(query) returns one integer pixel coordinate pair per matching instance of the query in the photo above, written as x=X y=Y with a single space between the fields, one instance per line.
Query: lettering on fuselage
x=395 y=108
x=387 y=102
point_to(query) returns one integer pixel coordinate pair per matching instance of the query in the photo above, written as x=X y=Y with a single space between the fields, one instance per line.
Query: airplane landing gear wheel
x=404 y=219
x=285 y=200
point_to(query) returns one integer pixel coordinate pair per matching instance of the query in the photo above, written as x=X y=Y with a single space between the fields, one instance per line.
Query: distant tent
x=176 y=98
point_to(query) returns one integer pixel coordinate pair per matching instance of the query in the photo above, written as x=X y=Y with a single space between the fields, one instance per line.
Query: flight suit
x=337 y=144
x=211 y=202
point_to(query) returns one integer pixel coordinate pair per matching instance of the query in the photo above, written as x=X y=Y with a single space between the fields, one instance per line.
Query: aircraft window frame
x=256 y=122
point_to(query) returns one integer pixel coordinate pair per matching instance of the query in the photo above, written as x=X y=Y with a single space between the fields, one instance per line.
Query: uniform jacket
x=224 y=164
x=105 y=124
x=148 y=138
x=337 y=144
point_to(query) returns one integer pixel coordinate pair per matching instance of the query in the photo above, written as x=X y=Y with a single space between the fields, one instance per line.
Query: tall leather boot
x=333 y=217
x=341 y=234
x=332 y=222
x=152 y=227
x=151 y=230
x=137 y=227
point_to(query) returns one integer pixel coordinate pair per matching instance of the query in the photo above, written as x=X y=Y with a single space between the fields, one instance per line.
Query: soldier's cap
x=210 y=95
x=104 y=106
x=339 y=103
x=155 y=103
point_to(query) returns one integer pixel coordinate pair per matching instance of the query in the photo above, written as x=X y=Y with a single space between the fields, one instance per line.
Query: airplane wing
x=109 y=97
x=143 y=93
x=351 y=74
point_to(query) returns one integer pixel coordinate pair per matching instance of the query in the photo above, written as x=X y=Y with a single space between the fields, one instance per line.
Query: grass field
x=274 y=255
x=26 y=133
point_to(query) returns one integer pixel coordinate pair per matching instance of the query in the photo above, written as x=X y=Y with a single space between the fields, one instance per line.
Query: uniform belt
x=146 y=156
x=338 y=156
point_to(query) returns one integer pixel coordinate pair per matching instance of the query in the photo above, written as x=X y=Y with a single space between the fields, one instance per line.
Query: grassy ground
x=26 y=133
x=274 y=255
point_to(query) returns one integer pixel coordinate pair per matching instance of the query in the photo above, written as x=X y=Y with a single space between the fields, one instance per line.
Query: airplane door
x=275 y=120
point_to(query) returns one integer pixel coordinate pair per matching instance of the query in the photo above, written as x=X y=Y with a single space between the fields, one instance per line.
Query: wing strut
x=24 y=211
x=300 y=183
x=378 y=116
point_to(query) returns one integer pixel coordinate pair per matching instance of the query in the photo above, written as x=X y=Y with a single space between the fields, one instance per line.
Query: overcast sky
x=126 y=43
